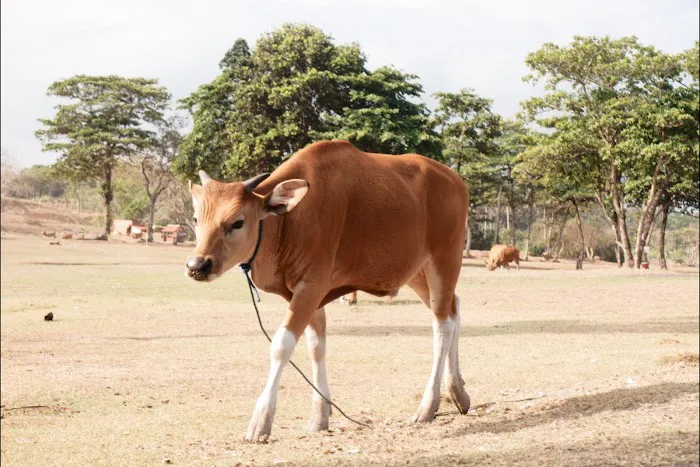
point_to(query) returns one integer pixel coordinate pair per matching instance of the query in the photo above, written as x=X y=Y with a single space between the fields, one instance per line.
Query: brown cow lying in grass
x=501 y=255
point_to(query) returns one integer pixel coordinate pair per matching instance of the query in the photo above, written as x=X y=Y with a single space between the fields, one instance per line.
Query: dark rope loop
x=246 y=267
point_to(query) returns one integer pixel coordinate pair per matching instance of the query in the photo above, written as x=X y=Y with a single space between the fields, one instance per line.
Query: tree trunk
x=549 y=233
x=529 y=223
x=151 y=218
x=107 y=196
x=513 y=239
x=645 y=223
x=618 y=242
x=621 y=215
x=544 y=227
x=468 y=246
x=653 y=224
x=662 y=236
x=579 y=262
x=612 y=220
x=498 y=215
x=77 y=197
x=560 y=245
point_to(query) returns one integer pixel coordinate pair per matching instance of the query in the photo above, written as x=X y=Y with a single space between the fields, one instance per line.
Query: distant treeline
x=603 y=158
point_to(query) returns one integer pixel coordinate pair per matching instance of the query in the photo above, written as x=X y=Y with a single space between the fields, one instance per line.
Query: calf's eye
x=235 y=226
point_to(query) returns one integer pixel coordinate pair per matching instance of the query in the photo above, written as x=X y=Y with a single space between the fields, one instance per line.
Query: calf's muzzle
x=199 y=267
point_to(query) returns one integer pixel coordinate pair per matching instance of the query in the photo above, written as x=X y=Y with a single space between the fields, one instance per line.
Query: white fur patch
x=281 y=349
x=317 y=349
x=442 y=340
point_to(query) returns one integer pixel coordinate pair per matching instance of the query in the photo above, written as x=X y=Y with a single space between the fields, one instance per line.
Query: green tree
x=130 y=200
x=8 y=166
x=564 y=166
x=102 y=122
x=381 y=117
x=208 y=145
x=36 y=182
x=237 y=56
x=510 y=144
x=633 y=99
x=155 y=165
x=295 y=86
x=468 y=129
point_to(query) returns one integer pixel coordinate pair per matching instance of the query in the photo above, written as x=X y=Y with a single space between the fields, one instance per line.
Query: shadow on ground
x=679 y=448
x=584 y=406
x=523 y=265
x=526 y=327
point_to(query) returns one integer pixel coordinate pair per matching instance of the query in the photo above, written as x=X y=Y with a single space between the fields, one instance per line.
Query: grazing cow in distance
x=330 y=220
x=501 y=255
x=351 y=298
x=49 y=234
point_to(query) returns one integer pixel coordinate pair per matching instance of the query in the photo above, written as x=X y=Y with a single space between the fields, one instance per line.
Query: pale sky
x=449 y=44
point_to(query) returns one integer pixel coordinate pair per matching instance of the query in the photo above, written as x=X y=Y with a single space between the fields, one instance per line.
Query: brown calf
x=336 y=220
x=501 y=255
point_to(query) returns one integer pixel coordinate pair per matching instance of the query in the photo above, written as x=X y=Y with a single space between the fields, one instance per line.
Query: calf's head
x=227 y=218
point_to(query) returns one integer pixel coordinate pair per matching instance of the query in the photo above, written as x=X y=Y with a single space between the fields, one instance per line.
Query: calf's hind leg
x=436 y=289
x=316 y=341
x=453 y=376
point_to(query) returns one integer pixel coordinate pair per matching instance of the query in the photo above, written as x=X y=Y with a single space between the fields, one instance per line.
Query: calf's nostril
x=207 y=266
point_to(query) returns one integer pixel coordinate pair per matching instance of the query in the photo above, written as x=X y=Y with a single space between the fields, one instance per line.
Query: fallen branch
x=55 y=407
x=527 y=399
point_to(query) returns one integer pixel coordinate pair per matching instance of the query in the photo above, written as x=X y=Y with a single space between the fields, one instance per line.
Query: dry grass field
x=144 y=367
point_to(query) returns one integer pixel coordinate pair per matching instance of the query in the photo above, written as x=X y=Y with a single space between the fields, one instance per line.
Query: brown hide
x=369 y=222
x=502 y=255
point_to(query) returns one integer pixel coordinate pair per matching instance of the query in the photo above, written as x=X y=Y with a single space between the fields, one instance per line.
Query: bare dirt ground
x=144 y=367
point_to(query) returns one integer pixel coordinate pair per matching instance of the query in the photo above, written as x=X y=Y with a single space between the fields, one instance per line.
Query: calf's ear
x=196 y=191
x=285 y=196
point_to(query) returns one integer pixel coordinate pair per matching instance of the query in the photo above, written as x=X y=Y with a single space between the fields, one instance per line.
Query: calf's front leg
x=301 y=309
x=281 y=349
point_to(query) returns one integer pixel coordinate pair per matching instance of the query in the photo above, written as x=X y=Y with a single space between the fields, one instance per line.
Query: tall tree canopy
x=155 y=164
x=468 y=129
x=636 y=102
x=103 y=121
x=381 y=117
x=295 y=86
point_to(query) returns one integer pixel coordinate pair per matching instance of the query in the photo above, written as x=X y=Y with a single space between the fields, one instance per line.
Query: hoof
x=460 y=399
x=316 y=425
x=260 y=425
x=264 y=439
x=426 y=414
x=319 y=417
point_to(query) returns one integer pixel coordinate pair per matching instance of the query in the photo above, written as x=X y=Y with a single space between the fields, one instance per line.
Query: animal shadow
x=585 y=406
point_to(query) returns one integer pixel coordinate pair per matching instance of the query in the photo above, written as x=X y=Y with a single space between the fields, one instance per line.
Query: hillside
x=21 y=216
